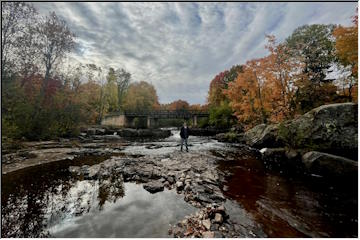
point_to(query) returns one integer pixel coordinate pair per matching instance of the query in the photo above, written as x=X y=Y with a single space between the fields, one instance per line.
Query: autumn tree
x=347 y=52
x=141 y=96
x=218 y=103
x=178 y=105
x=54 y=42
x=281 y=71
x=248 y=95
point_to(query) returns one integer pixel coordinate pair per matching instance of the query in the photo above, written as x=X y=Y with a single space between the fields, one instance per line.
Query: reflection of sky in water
x=137 y=214
x=172 y=144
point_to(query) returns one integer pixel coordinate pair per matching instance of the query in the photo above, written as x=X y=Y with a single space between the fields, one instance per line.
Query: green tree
x=111 y=90
x=122 y=80
x=313 y=45
x=141 y=96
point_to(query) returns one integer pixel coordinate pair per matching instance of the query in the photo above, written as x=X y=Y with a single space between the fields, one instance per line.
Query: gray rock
x=218 y=218
x=329 y=128
x=170 y=179
x=221 y=208
x=208 y=234
x=153 y=187
x=329 y=165
x=187 y=187
x=214 y=227
x=179 y=185
x=206 y=223
x=263 y=136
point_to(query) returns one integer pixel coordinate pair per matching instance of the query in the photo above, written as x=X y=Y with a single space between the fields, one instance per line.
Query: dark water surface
x=46 y=200
x=288 y=205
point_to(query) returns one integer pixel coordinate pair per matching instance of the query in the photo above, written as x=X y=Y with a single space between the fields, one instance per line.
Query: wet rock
x=329 y=165
x=93 y=172
x=207 y=224
x=263 y=136
x=179 y=185
x=218 y=234
x=281 y=158
x=208 y=234
x=74 y=169
x=218 y=218
x=171 y=179
x=221 y=209
x=187 y=181
x=230 y=137
x=153 y=187
x=214 y=227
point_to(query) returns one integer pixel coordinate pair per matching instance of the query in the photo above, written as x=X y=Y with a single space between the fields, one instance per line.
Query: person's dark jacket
x=184 y=132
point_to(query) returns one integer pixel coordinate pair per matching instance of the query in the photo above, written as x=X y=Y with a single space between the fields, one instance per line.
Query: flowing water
x=46 y=200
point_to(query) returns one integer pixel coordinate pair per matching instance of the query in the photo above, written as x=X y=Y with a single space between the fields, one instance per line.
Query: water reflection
x=291 y=206
x=47 y=201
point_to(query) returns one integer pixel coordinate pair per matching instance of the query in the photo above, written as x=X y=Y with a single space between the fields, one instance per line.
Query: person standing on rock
x=184 y=134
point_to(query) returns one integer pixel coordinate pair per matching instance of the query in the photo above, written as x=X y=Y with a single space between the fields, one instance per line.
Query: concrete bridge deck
x=126 y=119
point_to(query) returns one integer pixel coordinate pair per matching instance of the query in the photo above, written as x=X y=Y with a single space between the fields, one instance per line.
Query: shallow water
x=47 y=200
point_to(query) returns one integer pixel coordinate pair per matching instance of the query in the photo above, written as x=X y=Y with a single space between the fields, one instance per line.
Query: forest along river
x=47 y=200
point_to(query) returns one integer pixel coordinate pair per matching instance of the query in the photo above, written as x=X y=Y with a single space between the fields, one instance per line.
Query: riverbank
x=322 y=142
x=226 y=188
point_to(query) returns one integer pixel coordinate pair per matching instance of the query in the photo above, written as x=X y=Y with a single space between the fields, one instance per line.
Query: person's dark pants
x=186 y=144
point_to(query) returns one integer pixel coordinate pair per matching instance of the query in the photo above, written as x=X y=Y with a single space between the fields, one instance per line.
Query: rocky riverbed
x=123 y=188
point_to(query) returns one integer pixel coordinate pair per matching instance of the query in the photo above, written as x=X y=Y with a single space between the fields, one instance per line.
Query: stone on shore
x=218 y=218
x=207 y=224
x=325 y=164
x=208 y=234
x=154 y=187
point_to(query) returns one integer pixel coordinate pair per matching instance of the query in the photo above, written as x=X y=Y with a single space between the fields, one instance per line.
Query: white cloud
x=180 y=47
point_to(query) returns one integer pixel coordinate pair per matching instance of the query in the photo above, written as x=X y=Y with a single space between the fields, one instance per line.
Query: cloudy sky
x=180 y=47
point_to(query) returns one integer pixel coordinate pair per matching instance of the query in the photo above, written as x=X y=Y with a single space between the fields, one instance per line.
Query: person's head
x=184 y=124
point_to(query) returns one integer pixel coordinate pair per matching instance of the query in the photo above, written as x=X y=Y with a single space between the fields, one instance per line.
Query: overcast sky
x=180 y=47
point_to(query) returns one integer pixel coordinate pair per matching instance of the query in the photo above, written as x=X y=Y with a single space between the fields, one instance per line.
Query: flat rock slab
x=154 y=187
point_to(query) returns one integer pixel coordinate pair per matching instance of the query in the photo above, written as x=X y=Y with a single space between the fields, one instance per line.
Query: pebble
x=218 y=218
x=207 y=224
x=208 y=234
x=179 y=185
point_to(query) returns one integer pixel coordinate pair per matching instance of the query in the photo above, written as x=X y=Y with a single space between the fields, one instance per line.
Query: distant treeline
x=44 y=95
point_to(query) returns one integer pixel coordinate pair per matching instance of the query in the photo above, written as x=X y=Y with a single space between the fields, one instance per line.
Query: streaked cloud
x=180 y=47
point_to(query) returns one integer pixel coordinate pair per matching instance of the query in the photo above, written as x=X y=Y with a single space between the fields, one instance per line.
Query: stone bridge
x=126 y=119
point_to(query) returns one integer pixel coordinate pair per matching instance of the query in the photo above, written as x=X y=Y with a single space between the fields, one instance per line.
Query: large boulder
x=325 y=164
x=329 y=128
x=263 y=135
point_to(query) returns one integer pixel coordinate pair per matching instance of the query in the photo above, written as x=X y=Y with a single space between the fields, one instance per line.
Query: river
x=48 y=201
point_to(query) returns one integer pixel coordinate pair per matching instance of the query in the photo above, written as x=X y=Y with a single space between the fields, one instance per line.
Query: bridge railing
x=161 y=113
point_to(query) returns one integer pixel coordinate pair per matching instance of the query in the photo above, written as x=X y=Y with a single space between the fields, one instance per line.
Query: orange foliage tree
x=248 y=94
x=347 y=51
